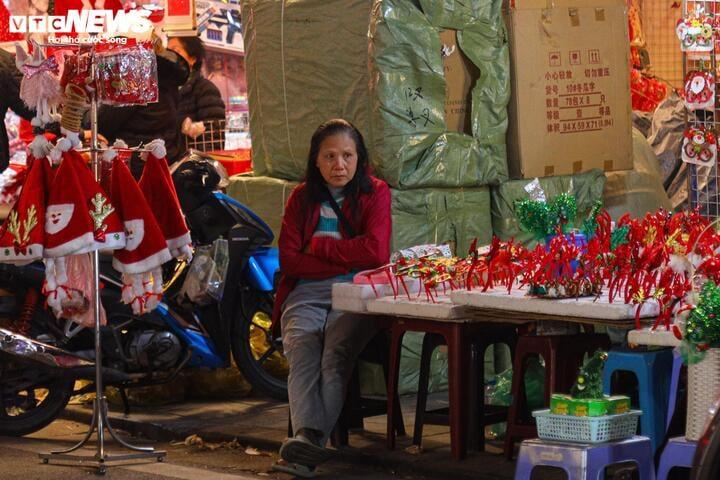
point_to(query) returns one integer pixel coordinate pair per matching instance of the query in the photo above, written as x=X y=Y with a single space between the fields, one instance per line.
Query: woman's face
x=177 y=46
x=337 y=159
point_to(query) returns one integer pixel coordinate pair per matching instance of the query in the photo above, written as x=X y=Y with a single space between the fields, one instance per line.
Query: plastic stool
x=563 y=355
x=674 y=385
x=585 y=461
x=678 y=452
x=653 y=371
x=480 y=414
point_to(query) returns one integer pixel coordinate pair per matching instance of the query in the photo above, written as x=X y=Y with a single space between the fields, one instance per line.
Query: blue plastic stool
x=585 y=461
x=678 y=452
x=653 y=372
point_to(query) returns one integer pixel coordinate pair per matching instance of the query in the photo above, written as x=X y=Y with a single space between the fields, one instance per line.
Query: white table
x=500 y=306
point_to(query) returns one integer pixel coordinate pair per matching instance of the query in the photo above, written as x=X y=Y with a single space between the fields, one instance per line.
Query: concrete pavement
x=262 y=423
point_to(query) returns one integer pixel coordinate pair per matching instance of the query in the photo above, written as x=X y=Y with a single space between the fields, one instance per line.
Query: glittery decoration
x=543 y=218
x=589 y=382
x=702 y=327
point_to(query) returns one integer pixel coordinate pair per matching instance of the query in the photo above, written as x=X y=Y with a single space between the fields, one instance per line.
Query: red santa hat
x=145 y=249
x=108 y=231
x=22 y=235
x=157 y=186
x=68 y=227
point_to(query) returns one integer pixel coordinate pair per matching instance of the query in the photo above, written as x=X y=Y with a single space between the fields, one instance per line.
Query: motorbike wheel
x=257 y=353
x=30 y=406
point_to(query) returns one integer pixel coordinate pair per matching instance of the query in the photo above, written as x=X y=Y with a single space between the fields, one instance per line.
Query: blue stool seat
x=653 y=371
x=585 y=461
x=678 y=452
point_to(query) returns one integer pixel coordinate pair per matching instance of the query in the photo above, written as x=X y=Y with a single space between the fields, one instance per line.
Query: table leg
x=393 y=407
x=458 y=359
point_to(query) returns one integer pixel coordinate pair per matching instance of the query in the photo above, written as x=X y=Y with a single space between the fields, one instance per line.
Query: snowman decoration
x=699 y=147
x=695 y=33
x=700 y=90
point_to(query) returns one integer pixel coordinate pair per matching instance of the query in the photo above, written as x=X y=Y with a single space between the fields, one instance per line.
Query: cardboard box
x=460 y=76
x=570 y=109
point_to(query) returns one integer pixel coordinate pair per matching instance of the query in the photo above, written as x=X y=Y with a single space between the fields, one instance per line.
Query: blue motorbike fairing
x=264 y=263
x=225 y=198
x=203 y=349
x=261 y=267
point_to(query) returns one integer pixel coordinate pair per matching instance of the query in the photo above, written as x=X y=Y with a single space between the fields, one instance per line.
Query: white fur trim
x=145 y=265
x=8 y=255
x=71 y=247
x=55 y=155
x=177 y=244
x=111 y=243
x=679 y=263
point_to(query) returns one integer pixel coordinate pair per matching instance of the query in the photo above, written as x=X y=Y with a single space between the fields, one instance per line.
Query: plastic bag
x=205 y=280
x=500 y=393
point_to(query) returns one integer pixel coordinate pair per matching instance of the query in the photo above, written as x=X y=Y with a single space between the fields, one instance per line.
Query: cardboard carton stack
x=570 y=111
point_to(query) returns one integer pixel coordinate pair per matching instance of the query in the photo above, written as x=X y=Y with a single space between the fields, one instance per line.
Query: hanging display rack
x=703 y=178
x=100 y=421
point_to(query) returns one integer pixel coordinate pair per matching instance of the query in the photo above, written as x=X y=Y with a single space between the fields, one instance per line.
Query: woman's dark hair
x=195 y=48
x=360 y=183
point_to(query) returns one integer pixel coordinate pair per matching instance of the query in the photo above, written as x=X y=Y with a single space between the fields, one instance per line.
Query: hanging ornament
x=700 y=90
x=699 y=146
x=40 y=87
x=695 y=33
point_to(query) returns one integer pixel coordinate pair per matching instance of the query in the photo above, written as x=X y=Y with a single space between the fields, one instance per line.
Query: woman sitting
x=336 y=223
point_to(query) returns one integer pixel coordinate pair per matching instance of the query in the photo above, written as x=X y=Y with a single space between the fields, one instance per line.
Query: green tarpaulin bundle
x=586 y=187
x=265 y=196
x=454 y=216
x=640 y=190
x=306 y=62
x=411 y=147
x=309 y=60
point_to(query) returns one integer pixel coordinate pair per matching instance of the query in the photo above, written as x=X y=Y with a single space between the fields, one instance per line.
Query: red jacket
x=370 y=248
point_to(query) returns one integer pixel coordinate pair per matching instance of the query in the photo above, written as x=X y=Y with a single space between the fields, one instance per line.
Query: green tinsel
x=588 y=383
x=619 y=237
x=543 y=218
x=590 y=224
x=702 y=328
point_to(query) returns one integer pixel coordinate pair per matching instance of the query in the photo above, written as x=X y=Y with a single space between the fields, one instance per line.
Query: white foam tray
x=659 y=337
x=442 y=309
x=583 y=307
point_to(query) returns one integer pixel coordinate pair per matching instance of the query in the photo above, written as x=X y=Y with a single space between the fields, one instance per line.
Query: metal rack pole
x=100 y=421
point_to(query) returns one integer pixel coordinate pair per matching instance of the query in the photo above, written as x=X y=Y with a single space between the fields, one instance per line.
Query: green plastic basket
x=568 y=428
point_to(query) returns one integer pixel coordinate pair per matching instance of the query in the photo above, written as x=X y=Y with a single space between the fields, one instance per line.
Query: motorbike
x=41 y=357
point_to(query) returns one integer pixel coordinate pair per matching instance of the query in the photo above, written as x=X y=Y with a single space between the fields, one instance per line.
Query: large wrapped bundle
x=586 y=187
x=265 y=196
x=454 y=216
x=306 y=62
x=413 y=143
x=640 y=190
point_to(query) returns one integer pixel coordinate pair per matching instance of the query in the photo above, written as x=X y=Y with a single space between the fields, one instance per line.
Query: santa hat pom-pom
x=73 y=137
x=156 y=148
x=184 y=253
x=679 y=263
x=109 y=155
x=40 y=147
